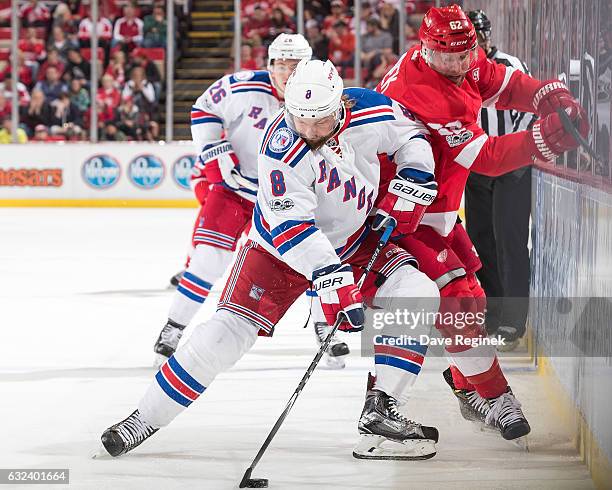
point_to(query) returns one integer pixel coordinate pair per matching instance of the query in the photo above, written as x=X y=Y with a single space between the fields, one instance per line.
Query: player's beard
x=319 y=142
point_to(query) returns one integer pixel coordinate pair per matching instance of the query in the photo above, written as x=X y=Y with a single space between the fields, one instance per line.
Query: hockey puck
x=257 y=483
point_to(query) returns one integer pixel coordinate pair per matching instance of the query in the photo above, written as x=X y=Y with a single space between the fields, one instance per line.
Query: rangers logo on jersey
x=281 y=140
x=256 y=292
x=455 y=133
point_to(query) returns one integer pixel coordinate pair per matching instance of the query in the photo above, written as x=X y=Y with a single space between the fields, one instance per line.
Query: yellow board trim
x=101 y=203
x=565 y=409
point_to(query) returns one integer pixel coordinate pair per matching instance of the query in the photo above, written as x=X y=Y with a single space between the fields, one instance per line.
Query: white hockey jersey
x=312 y=206
x=237 y=107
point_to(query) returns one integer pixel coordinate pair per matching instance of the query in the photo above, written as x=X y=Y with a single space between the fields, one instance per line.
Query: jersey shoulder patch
x=251 y=81
x=369 y=107
x=281 y=143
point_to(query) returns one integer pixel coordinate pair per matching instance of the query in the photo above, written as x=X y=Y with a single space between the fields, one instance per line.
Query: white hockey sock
x=213 y=347
x=398 y=364
x=206 y=266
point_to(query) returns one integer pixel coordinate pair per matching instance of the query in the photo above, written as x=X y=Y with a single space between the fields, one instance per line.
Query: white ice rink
x=82 y=300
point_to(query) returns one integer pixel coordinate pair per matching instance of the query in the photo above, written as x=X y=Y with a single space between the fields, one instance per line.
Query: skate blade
x=520 y=442
x=100 y=453
x=380 y=448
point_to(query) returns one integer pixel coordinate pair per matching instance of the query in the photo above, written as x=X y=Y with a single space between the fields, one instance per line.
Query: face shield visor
x=451 y=65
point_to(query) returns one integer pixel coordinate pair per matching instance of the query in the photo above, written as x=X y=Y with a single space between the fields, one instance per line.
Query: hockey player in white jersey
x=319 y=176
x=227 y=122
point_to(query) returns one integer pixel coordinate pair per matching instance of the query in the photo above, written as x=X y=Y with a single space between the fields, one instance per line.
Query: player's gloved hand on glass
x=220 y=163
x=409 y=194
x=335 y=286
x=553 y=95
x=552 y=139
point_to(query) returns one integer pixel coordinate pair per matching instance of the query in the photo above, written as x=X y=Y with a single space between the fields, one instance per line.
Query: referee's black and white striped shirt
x=498 y=123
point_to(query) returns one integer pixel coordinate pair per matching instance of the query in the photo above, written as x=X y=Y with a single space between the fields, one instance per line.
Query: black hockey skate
x=336 y=350
x=473 y=407
x=175 y=279
x=506 y=414
x=127 y=434
x=511 y=337
x=168 y=341
x=381 y=422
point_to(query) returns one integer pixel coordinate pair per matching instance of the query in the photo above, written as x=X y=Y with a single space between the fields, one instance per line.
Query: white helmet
x=289 y=47
x=314 y=89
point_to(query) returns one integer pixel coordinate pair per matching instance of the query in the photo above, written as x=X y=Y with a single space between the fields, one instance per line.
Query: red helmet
x=447 y=29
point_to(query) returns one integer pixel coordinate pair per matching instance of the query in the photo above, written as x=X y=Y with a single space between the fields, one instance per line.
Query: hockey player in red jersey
x=445 y=81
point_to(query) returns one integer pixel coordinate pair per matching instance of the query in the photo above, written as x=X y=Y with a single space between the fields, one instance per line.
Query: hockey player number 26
x=278 y=182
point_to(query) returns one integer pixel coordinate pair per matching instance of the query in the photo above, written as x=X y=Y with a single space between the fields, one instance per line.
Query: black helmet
x=480 y=20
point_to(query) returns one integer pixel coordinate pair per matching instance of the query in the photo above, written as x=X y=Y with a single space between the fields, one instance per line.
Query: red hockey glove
x=552 y=95
x=219 y=161
x=550 y=136
x=409 y=194
x=339 y=294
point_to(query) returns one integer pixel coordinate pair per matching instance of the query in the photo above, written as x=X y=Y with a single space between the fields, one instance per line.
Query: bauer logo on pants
x=146 y=171
x=182 y=170
x=101 y=171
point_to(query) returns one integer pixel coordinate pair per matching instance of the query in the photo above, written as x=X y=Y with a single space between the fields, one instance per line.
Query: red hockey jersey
x=451 y=113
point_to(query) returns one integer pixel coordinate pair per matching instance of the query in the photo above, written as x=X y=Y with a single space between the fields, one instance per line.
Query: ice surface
x=82 y=301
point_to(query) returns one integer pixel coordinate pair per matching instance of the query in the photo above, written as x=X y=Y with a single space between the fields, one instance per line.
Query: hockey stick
x=249 y=482
x=571 y=129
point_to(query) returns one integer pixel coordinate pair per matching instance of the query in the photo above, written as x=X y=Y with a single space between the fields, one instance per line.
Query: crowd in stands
x=330 y=29
x=54 y=70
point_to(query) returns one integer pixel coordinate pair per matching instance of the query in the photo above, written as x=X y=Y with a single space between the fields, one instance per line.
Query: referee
x=497 y=214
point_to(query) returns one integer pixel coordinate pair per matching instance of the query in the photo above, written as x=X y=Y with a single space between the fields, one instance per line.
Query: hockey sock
x=206 y=266
x=214 y=346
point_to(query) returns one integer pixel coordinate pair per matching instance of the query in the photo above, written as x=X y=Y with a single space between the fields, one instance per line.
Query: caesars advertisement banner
x=106 y=174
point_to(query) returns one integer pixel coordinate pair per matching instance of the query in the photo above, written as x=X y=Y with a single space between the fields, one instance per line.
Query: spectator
x=38 y=111
x=116 y=68
x=316 y=39
x=32 y=47
x=129 y=117
x=66 y=21
x=106 y=113
x=52 y=86
x=53 y=59
x=26 y=71
x=60 y=42
x=374 y=44
x=23 y=95
x=151 y=71
x=108 y=93
x=412 y=35
x=140 y=91
x=389 y=21
x=367 y=13
x=387 y=60
x=155 y=28
x=41 y=134
x=111 y=132
x=280 y=23
x=287 y=7
x=257 y=28
x=247 y=62
x=5 y=106
x=6 y=135
x=341 y=45
x=128 y=30
x=78 y=67
x=338 y=14
x=34 y=14
x=65 y=115
x=104 y=31
x=79 y=96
